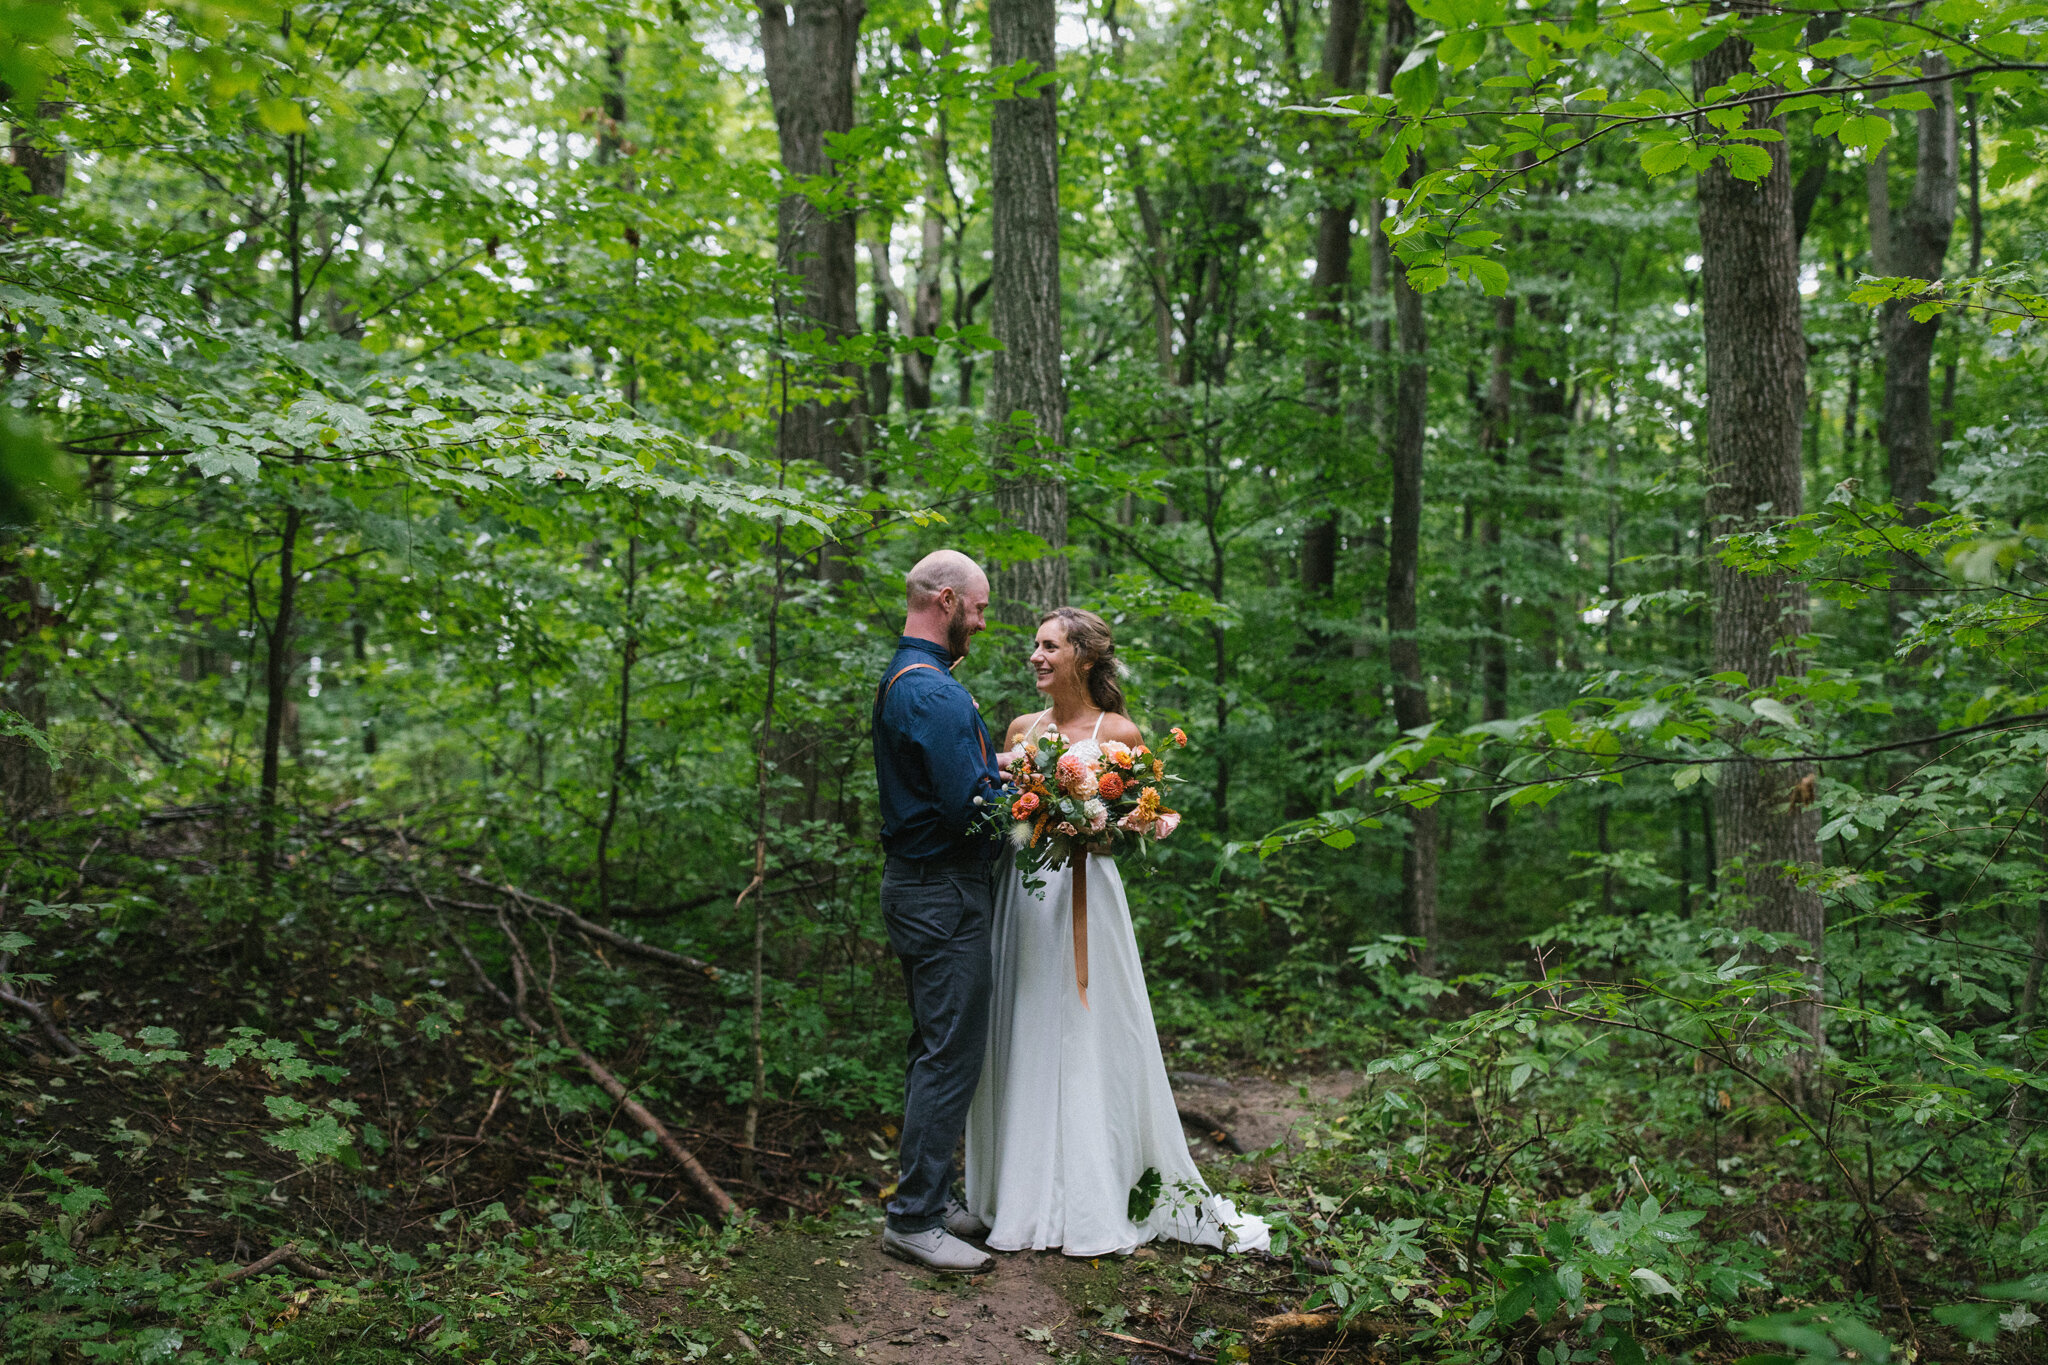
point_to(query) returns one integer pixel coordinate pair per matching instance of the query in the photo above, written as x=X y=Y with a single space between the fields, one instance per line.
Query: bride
x=1073 y=1140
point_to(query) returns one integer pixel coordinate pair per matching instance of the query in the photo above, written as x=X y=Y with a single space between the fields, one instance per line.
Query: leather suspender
x=905 y=669
x=980 y=731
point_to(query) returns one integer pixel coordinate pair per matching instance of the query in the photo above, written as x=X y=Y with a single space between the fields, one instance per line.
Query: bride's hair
x=1095 y=646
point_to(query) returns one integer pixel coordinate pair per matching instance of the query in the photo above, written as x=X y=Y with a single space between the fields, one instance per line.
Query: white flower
x=1097 y=813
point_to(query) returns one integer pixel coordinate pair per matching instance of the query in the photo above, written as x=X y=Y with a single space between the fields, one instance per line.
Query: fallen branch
x=1213 y=1129
x=567 y=916
x=1293 y=1325
x=312 y=1270
x=720 y=1201
x=36 y=1013
x=1161 y=1347
x=242 y=1272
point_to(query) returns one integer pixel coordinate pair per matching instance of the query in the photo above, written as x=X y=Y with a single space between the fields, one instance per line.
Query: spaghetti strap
x=1032 y=729
x=1098 y=724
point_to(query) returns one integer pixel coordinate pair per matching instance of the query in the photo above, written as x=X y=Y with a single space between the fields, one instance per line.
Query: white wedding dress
x=1074 y=1106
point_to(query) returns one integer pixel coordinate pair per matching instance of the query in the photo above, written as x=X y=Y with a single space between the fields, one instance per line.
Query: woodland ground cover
x=1575 y=472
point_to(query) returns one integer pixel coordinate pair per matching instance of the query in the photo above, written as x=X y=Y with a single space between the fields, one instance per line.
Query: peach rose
x=1116 y=754
x=1077 y=776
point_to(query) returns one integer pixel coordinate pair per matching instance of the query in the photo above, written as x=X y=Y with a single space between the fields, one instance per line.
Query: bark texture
x=1323 y=374
x=1026 y=399
x=1916 y=242
x=1493 y=669
x=45 y=164
x=1756 y=397
x=25 y=786
x=1404 y=556
x=809 y=48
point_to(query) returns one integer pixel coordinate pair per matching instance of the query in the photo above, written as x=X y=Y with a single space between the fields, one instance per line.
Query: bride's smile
x=1054 y=663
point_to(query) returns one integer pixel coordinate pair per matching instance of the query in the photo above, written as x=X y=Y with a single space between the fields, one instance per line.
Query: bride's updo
x=1095 y=647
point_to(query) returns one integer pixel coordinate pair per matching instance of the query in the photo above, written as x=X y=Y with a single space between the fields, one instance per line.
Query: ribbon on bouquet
x=1080 y=897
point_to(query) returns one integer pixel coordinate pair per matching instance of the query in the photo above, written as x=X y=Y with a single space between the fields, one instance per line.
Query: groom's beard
x=957 y=634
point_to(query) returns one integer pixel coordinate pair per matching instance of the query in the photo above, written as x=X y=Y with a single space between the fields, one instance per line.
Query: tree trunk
x=629 y=654
x=47 y=168
x=277 y=678
x=1917 y=245
x=1332 y=278
x=25 y=786
x=1404 y=556
x=809 y=48
x=1493 y=668
x=1026 y=400
x=1756 y=399
x=1323 y=374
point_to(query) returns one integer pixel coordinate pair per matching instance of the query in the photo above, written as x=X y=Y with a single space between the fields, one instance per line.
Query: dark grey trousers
x=938 y=922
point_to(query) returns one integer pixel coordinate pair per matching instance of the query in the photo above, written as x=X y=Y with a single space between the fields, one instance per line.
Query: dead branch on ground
x=522 y=968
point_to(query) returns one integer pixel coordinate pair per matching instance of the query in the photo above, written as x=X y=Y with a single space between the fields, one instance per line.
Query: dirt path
x=834 y=1295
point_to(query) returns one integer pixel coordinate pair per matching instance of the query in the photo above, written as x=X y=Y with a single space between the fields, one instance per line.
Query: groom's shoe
x=961 y=1222
x=936 y=1249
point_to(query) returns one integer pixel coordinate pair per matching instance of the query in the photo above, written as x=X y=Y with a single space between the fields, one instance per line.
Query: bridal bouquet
x=1065 y=803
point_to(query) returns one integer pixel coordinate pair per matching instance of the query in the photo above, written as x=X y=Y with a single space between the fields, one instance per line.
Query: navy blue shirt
x=932 y=758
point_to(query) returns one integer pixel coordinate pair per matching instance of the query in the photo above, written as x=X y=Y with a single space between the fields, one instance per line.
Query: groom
x=936 y=767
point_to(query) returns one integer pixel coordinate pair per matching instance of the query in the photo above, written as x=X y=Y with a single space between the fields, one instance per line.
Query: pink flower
x=1135 y=822
x=1118 y=755
x=1077 y=776
x=1066 y=828
x=1098 y=816
x=1167 y=823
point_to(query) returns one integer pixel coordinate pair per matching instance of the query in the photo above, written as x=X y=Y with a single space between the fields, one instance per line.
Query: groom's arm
x=958 y=757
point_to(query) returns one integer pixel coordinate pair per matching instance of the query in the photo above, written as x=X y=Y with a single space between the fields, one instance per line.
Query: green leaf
x=1865 y=130
x=282 y=116
x=1654 y=1283
x=1975 y=1321
x=1416 y=83
x=1665 y=157
x=1775 y=711
x=1746 y=162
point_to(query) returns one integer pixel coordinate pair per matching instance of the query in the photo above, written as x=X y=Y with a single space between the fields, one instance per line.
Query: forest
x=1570 y=467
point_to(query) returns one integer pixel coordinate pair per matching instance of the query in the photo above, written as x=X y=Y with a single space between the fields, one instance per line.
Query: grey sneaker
x=936 y=1249
x=961 y=1222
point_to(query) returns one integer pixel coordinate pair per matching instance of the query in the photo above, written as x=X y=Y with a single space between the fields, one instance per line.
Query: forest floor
x=832 y=1293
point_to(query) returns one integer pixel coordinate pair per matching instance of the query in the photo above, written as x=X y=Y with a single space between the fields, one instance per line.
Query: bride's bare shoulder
x=1122 y=729
x=1018 y=727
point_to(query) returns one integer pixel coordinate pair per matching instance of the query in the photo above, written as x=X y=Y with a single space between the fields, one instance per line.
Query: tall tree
x=1756 y=402
x=1331 y=282
x=1026 y=397
x=1404 y=547
x=1495 y=642
x=24 y=772
x=809 y=48
x=1915 y=243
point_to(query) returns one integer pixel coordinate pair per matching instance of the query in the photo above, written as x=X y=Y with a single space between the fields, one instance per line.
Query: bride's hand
x=1006 y=761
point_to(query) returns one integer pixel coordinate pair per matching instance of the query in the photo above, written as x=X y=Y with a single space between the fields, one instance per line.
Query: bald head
x=938 y=571
x=946 y=599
